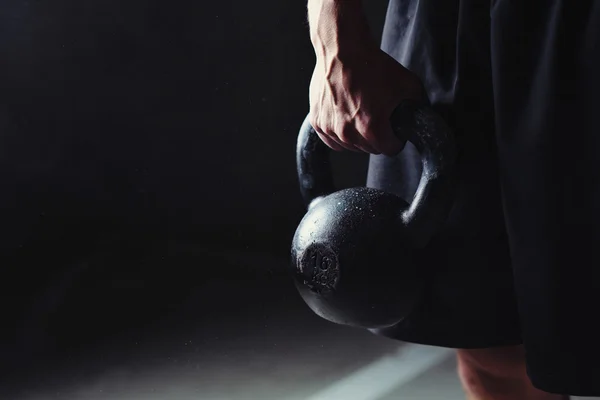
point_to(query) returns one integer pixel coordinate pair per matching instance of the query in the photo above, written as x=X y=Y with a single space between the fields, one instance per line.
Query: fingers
x=332 y=144
x=331 y=140
x=329 y=137
x=344 y=137
x=381 y=137
x=348 y=134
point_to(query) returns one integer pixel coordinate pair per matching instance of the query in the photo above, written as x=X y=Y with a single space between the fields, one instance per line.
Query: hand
x=353 y=95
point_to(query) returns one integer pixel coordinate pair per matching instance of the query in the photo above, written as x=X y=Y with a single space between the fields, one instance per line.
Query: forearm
x=338 y=26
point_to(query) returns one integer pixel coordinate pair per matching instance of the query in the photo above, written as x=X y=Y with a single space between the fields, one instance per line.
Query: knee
x=496 y=373
x=501 y=362
x=499 y=374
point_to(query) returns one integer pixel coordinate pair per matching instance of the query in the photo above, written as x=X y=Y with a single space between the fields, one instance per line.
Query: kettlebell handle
x=412 y=121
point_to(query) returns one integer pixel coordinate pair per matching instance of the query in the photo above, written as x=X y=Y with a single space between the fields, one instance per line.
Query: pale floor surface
x=270 y=347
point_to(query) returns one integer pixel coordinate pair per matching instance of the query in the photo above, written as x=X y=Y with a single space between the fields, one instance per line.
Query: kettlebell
x=355 y=254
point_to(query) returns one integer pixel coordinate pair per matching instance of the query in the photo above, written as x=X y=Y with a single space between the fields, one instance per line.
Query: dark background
x=183 y=115
x=142 y=143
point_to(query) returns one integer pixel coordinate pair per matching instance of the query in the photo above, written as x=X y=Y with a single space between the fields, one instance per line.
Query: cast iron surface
x=354 y=252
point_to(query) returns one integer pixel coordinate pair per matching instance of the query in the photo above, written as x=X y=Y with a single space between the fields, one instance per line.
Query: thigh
x=470 y=300
x=546 y=60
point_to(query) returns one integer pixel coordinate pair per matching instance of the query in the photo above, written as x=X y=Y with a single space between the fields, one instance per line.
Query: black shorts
x=519 y=260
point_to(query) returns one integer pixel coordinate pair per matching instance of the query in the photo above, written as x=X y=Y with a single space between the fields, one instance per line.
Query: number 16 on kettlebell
x=354 y=254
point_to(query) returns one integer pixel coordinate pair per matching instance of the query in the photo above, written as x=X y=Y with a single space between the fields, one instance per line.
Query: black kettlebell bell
x=355 y=252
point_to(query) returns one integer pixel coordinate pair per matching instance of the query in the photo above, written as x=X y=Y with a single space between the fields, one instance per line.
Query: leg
x=546 y=58
x=498 y=374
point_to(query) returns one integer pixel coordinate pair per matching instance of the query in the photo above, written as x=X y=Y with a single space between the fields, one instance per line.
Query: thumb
x=388 y=143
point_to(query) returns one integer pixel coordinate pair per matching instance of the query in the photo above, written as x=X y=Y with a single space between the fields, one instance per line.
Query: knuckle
x=345 y=132
x=326 y=140
x=321 y=122
x=333 y=128
x=313 y=118
x=363 y=120
x=328 y=131
x=366 y=129
x=344 y=137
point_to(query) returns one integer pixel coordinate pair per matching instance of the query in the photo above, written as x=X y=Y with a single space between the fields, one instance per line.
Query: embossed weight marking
x=355 y=253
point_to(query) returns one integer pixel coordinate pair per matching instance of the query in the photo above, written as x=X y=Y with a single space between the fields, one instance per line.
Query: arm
x=337 y=26
x=355 y=86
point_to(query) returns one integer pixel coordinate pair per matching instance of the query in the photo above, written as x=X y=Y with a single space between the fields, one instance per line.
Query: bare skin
x=498 y=374
x=354 y=89
x=355 y=85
